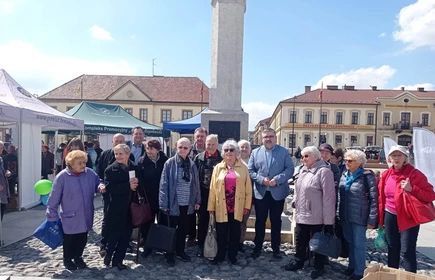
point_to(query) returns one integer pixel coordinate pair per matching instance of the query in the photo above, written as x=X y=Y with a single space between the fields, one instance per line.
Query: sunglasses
x=349 y=160
x=305 y=156
x=185 y=148
x=228 y=150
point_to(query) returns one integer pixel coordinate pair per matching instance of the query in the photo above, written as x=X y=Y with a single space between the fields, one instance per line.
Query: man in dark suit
x=137 y=147
x=107 y=158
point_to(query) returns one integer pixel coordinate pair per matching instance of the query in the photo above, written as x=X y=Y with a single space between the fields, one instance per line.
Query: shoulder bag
x=210 y=244
x=325 y=244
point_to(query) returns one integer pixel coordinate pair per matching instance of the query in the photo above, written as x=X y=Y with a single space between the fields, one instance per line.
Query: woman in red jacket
x=401 y=231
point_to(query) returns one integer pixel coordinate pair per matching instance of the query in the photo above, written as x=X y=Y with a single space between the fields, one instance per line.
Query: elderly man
x=270 y=167
x=205 y=162
x=107 y=158
x=196 y=148
x=137 y=147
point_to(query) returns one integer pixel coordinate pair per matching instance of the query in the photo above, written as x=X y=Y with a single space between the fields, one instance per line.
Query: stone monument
x=225 y=116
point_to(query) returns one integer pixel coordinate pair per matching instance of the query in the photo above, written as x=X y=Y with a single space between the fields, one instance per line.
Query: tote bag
x=210 y=244
x=51 y=233
x=161 y=237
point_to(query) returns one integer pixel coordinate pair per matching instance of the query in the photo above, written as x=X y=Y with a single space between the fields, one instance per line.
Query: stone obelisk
x=225 y=116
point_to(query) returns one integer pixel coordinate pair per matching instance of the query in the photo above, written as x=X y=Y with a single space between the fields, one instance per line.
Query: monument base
x=227 y=125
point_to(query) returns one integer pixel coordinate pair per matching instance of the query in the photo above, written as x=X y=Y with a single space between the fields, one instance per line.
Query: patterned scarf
x=185 y=164
x=350 y=178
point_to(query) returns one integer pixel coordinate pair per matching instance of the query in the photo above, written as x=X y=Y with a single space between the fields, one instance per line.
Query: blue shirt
x=136 y=151
x=269 y=161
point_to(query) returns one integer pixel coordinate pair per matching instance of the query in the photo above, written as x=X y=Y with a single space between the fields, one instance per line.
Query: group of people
x=200 y=180
x=8 y=175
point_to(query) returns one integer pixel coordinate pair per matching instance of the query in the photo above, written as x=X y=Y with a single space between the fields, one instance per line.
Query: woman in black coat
x=151 y=167
x=121 y=190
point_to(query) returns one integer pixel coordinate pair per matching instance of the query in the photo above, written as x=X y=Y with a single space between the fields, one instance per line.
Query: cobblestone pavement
x=30 y=257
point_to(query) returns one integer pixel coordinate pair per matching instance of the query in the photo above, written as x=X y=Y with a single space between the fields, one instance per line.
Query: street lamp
x=293 y=138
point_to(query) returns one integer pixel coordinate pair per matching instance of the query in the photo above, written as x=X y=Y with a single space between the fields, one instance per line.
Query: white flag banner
x=424 y=152
x=388 y=143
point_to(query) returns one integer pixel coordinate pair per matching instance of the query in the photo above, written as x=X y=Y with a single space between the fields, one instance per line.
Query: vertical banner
x=424 y=152
x=388 y=142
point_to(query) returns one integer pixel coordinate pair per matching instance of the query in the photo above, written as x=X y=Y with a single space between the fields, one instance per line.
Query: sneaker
x=348 y=271
x=316 y=273
x=256 y=254
x=80 y=263
x=294 y=266
x=69 y=265
x=184 y=257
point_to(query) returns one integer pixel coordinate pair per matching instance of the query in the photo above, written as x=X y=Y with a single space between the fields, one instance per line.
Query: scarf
x=350 y=178
x=185 y=164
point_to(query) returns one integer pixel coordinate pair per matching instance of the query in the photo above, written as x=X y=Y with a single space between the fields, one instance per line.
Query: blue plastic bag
x=380 y=241
x=51 y=233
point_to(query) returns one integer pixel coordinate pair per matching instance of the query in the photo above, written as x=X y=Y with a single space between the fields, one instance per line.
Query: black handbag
x=161 y=237
x=325 y=244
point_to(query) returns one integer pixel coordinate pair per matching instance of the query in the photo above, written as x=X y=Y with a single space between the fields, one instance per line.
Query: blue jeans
x=356 y=236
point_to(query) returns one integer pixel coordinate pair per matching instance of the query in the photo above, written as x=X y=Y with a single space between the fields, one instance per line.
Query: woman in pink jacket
x=315 y=207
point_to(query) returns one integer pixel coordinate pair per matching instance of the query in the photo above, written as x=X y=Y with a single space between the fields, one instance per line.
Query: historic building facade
x=351 y=117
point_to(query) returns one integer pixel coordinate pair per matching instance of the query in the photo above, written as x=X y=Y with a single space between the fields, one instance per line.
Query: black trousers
x=404 y=243
x=106 y=201
x=204 y=217
x=12 y=181
x=263 y=208
x=73 y=245
x=303 y=234
x=145 y=229
x=191 y=226
x=117 y=245
x=228 y=237
x=180 y=223
x=3 y=209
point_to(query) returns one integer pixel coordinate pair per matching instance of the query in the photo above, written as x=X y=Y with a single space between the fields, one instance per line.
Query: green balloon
x=43 y=187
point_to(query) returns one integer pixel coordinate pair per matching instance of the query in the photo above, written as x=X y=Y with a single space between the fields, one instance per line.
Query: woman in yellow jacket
x=230 y=198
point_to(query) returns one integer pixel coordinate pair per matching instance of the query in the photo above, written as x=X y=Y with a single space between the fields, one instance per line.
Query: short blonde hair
x=124 y=147
x=357 y=155
x=75 y=155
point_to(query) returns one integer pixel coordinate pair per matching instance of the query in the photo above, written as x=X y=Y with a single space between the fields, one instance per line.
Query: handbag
x=420 y=212
x=140 y=211
x=325 y=244
x=51 y=233
x=161 y=237
x=210 y=243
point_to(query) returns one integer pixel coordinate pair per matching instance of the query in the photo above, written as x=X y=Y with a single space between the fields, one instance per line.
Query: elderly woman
x=73 y=193
x=245 y=152
x=358 y=209
x=151 y=168
x=179 y=196
x=230 y=198
x=315 y=207
x=401 y=231
x=121 y=189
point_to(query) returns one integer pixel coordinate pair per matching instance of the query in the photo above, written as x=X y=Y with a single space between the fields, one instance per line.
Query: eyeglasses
x=268 y=136
x=185 y=148
x=228 y=150
x=349 y=160
x=305 y=156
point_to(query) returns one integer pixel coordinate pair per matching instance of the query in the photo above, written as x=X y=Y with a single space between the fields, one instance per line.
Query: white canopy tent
x=19 y=108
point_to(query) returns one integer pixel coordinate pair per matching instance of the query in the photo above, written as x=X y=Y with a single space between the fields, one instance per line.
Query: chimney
x=331 y=87
x=402 y=88
x=420 y=89
x=374 y=88
x=349 y=87
x=307 y=89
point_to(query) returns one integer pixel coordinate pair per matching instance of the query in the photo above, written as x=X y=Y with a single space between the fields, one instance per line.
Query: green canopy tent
x=111 y=119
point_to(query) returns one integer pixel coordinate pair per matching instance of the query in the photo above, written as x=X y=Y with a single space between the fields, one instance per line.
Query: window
x=425 y=119
x=386 y=118
x=308 y=117
x=338 y=140
x=186 y=114
x=354 y=117
x=369 y=141
x=339 y=118
x=371 y=118
x=307 y=139
x=292 y=116
x=129 y=110
x=166 y=115
x=324 y=117
x=143 y=114
x=353 y=139
x=292 y=140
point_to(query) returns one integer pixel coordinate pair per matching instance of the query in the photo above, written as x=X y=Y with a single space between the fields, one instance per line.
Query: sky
x=287 y=44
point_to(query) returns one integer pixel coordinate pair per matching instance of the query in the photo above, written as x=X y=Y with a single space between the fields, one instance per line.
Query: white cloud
x=100 y=33
x=361 y=78
x=6 y=6
x=258 y=111
x=40 y=72
x=426 y=86
x=417 y=25
x=382 y=35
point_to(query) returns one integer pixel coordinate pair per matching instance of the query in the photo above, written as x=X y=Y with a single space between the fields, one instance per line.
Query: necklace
x=230 y=167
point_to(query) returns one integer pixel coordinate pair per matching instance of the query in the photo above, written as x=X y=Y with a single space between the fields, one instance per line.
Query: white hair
x=230 y=144
x=357 y=155
x=184 y=140
x=311 y=150
x=242 y=142
x=212 y=136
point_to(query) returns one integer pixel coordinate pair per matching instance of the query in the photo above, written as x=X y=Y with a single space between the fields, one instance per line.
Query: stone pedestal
x=225 y=124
